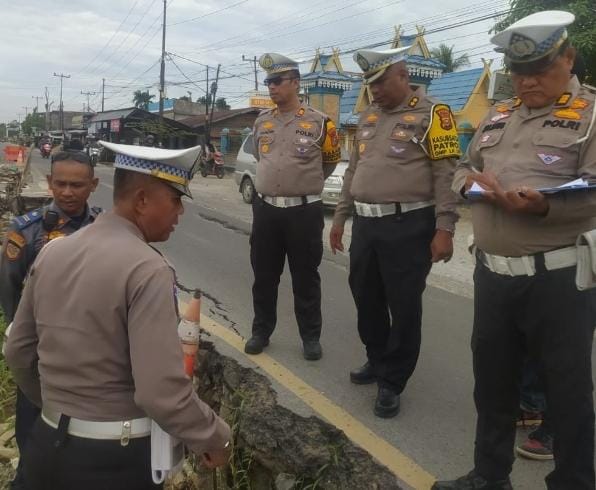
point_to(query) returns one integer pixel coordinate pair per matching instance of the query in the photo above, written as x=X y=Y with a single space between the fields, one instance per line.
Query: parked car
x=246 y=170
x=333 y=184
x=246 y=173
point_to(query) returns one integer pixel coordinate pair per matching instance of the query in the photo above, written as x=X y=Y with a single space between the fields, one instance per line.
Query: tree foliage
x=221 y=104
x=33 y=121
x=142 y=99
x=582 y=32
x=445 y=55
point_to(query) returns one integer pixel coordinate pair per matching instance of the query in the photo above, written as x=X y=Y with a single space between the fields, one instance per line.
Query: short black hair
x=69 y=155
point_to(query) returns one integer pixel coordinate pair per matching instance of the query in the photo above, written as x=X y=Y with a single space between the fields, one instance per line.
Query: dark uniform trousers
x=547 y=317
x=298 y=233
x=390 y=258
x=55 y=460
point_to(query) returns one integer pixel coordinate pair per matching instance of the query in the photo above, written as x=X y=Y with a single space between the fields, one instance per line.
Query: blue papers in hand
x=476 y=192
x=574 y=185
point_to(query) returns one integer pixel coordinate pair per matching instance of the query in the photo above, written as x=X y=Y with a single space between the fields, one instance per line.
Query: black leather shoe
x=312 y=350
x=255 y=345
x=364 y=375
x=387 y=403
x=473 y=481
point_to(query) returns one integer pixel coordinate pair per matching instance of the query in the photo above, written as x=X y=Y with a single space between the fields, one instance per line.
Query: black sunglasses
x=277 y=80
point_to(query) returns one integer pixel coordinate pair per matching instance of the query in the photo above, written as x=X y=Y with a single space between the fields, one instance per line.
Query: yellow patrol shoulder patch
x=579 y=104
x=14 y=245
x=567 y=114
x=441 y=136
x=330 y=148
x=267 y=125
x=502 y=108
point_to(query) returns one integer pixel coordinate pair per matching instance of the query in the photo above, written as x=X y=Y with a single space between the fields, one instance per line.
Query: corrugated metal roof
x=455 y=88
x=421 y=60
x=109 y=115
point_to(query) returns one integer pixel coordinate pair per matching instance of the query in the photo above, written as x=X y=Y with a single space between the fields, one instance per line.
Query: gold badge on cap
x=362 y=62
x=267 y=62
x=521 y=46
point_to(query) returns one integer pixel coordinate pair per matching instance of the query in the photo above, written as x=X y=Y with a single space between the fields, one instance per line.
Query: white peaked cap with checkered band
x=533 y=37
x=174 y=167
x=374 y=63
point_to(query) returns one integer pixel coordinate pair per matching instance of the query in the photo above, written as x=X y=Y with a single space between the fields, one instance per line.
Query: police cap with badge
x=375 y=63
x=175 y=167
x=531 y=44
x=275 y=64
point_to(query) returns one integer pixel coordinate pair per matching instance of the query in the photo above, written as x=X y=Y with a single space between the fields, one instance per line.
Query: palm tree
x=444 y=54
x=142 y=99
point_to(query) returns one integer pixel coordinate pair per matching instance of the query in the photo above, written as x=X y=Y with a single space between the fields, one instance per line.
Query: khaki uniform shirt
x=291 y=152
x=26 y=236
x=98 y=320
x=535 y=148
x=389 y=164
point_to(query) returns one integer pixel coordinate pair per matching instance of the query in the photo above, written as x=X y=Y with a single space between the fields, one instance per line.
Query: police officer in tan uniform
x=94 y=340
x=71 y=181
x=526 y=296
x=297 y=148
x=398 y=183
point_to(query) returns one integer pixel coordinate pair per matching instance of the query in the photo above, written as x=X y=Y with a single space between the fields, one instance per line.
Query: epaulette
x=508 y=105
x=95 y=211
x=317 y=112
x=589 y=88
x=28 y=219
x=266 y=111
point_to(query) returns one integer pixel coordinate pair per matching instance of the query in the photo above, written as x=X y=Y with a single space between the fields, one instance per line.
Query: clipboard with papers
x=476 y=192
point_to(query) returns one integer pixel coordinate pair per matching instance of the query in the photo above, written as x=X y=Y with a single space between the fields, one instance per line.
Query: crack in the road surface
x=223 y=223
x=220 y=312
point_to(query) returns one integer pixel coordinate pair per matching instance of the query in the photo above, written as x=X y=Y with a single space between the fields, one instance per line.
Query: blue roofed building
x=325 y=83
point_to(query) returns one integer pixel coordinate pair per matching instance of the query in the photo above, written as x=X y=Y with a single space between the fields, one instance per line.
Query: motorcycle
x=45 y=150
x=213 y=165
x=94 y=152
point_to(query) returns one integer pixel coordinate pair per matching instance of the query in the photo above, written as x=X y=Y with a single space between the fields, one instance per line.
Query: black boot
x=387 y=403
x=312 y=350
x=364 y=375
x=255 y=345
x=473 y=481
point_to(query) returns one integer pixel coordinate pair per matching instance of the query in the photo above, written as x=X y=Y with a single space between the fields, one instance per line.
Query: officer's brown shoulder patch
x=14 y=246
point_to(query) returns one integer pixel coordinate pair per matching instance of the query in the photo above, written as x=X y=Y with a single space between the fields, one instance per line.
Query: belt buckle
x=126 y=430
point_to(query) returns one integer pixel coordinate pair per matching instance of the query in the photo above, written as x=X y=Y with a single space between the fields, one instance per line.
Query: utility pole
x=213 y=93
x=254 y=62
x=36 y=97
x=162 y=71
x=103 y=92
x=88 y=94
x=62 y=77
x=26 y=111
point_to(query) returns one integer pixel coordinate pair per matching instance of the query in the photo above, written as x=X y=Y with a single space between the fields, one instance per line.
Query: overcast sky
x=120 y=40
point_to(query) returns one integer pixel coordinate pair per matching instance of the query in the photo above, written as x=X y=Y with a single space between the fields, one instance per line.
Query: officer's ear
x=94 y=183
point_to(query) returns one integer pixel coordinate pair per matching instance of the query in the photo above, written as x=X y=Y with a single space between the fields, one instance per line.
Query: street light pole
x=36 y=97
